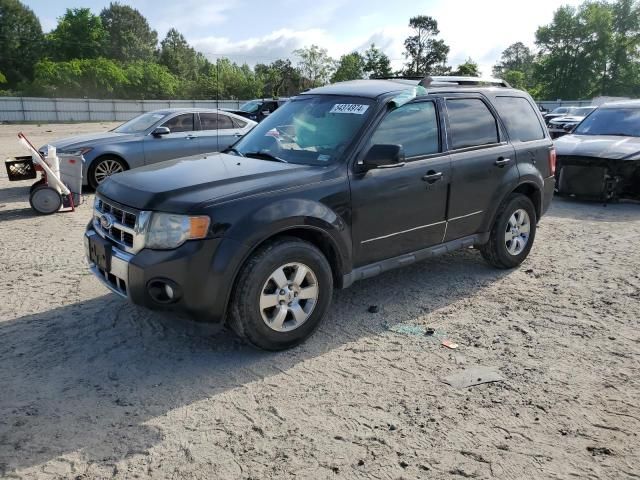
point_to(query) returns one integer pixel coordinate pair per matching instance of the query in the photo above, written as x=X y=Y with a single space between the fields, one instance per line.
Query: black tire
x=96 y=164
x=245 y=317
x=45 y=200
x=495 y=251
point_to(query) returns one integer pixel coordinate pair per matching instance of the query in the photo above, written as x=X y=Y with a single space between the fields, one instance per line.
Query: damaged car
x=562 y=125
x=600 y=160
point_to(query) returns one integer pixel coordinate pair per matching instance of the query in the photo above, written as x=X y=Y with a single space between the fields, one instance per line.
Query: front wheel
x=512 y=234
x=282 y=294
x=103 y=168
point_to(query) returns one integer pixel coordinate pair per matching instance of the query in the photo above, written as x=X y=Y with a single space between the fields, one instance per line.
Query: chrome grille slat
x=123 y=232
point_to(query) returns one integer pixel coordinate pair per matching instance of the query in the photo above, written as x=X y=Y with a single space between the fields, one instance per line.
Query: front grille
x=124 y=222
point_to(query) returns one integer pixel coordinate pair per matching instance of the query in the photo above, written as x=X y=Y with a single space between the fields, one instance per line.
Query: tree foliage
x=21 y=41
x=129 y=36
x=469 y=68
x=376 y=63
x=349 y=67
x=79 y=34
x=424 y=51
x=315 y=65
x=178 y=56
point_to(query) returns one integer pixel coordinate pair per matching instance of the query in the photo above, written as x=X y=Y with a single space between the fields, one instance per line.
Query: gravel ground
x=92 y=387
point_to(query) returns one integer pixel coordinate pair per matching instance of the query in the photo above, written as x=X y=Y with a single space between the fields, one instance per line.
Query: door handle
x=501 y=162
x=432 y=176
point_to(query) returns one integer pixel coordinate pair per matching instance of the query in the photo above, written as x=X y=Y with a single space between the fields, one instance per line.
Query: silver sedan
x=154 y=137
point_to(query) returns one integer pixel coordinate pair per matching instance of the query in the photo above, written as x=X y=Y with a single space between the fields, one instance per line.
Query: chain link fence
x=50 y=110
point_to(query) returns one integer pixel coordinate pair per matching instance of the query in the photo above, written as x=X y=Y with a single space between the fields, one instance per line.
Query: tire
x=45 y=200
x=501 y=252
x=267 y=328
x=102 y=168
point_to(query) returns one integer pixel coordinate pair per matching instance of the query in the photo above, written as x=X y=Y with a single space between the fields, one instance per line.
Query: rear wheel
x=512 y=234
x=45 y=200
x=102 y=168
x=282 y=294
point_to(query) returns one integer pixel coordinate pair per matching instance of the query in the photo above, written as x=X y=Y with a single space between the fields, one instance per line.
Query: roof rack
x=448 y=81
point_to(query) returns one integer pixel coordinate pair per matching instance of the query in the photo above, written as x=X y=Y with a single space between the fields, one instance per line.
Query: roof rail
x=463 y=81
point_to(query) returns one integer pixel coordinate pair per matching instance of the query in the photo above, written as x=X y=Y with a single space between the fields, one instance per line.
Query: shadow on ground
x=87 y=377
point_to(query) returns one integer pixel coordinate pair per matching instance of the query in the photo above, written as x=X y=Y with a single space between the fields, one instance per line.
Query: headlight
x=168 y=230
x=76 y=151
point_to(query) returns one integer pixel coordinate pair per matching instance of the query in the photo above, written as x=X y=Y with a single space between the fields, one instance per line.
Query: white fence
x=32 y=109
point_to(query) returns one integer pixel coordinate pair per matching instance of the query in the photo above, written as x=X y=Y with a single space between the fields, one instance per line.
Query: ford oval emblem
x=106 y=221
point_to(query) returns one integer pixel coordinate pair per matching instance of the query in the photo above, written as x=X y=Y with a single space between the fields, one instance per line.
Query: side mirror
x=160 y=131
x=383 y=156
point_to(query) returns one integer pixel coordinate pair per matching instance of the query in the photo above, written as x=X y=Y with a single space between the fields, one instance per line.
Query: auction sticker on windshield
x=354 y=108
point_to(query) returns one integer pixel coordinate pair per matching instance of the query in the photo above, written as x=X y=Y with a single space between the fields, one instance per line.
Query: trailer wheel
x=45 y=200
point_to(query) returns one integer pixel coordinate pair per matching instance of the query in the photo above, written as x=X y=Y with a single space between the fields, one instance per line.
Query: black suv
x=340 y=184
x=258 y=110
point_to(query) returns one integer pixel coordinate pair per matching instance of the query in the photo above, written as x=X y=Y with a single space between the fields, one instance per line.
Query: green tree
x=280 y=78
x=574 y=49
x=423 y=50
x=148 y=80
x=623 y=76
x=516 y=56
x=79 y=34
x=129 y=36
x=315 y=66
x=93 y=78
x=376 y=63
x=516 y=79
x=3 y=79
x=21 y=41
x=468 y=69
x=349 y=67
x=178 y=56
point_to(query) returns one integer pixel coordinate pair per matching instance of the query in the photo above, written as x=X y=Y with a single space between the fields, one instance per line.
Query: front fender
x=293 y=213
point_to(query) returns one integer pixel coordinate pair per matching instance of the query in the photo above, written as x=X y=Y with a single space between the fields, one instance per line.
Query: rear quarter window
x=519 y=118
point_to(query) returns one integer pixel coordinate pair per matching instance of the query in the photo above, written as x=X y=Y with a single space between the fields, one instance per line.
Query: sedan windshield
x=309 y=130
x=140 y=123
x=250 y=107
x=611 y=121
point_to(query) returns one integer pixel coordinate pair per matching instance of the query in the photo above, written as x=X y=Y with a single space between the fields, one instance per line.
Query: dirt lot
x=92 y=387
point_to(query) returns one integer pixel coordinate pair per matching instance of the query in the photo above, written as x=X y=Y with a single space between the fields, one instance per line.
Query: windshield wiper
x=231 y=149
x=264 y=156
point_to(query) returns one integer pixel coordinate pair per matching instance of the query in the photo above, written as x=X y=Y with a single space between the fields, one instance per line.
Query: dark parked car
x=560 y=126
x=340 y=184
x=258 y=110
x=154 y=137
x=600 y=160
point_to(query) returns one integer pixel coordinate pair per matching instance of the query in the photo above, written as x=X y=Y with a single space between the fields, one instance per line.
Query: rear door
x=217 y=132
x=180 y=142
x=526 y=133
x=482 y=162
x=402 y=209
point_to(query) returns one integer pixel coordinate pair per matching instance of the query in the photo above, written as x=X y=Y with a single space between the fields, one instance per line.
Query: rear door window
x=414 y=126
x=471 y=122
x=215 y=121
x=519 y=118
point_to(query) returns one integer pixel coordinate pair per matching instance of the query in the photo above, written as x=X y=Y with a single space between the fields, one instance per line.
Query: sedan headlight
x=168 y=230
x=76 y=151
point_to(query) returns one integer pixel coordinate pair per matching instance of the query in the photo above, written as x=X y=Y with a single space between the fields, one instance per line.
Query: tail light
x=552 y=160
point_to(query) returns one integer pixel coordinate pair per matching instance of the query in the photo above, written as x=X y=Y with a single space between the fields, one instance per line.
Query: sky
x=261 y=31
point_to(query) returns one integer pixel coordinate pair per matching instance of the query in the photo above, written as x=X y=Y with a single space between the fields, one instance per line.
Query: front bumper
x=200 y=272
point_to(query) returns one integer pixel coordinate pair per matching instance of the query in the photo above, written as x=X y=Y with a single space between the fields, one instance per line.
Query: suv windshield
x=309 y=130
x=611 y=121
x=251 y=106
x=140 y=123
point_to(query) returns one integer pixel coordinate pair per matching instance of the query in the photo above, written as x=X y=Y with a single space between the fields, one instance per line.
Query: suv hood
x=599 y=146
x=183 y=184
x=90 y=140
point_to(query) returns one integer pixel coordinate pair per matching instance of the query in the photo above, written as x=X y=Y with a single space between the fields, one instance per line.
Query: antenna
x=218 y=105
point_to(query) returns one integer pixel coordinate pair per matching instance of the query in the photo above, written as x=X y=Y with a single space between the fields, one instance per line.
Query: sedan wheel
x=103 y=169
